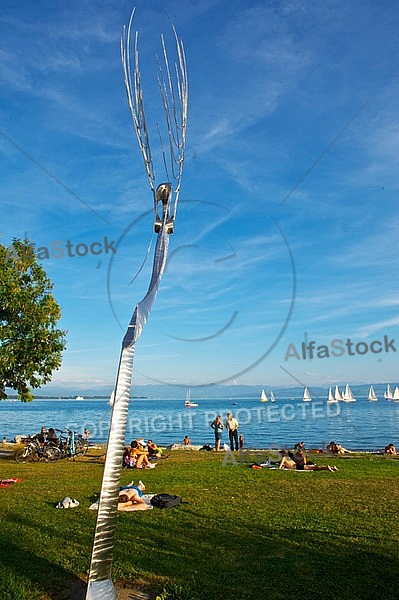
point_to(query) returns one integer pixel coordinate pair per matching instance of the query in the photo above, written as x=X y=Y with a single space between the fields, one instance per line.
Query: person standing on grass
x=232 y=428
x=217 y=427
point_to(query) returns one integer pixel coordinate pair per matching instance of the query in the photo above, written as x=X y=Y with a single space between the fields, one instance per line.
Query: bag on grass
x=165 y=501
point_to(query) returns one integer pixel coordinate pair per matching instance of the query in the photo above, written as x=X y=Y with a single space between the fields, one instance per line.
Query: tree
x=30 y=344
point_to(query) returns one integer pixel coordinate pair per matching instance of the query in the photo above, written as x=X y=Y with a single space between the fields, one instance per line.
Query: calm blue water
x=359 y=425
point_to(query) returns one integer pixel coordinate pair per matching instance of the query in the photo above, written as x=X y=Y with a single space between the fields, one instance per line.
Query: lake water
x=359 y=425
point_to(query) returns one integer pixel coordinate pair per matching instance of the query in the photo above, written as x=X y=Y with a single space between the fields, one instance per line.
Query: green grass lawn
x=244 y=534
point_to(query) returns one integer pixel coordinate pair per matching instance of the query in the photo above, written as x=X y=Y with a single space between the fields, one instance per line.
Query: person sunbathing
x=337 y=448
x=286 y=462
x=298 y=462
x=130 y=498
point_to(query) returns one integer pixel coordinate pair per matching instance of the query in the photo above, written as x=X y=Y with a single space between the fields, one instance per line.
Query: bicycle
x=33 y=451
x=70 y=443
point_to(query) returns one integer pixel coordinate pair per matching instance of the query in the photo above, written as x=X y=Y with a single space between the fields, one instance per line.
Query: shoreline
x=7 y=449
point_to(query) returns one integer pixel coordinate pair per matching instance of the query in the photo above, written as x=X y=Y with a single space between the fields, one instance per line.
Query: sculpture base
x=101 y=590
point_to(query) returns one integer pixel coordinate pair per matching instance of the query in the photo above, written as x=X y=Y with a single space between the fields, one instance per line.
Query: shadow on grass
x=24 y=573
x=218 y=560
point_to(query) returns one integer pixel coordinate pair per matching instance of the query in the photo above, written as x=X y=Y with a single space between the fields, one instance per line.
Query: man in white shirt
x=232 y=428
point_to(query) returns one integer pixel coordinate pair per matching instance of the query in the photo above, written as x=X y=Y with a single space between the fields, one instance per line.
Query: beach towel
x=5 y=483
x=145 y=497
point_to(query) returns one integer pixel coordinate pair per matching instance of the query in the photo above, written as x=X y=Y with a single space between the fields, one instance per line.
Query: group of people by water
x=141 y=455
x=236 y=441
x=231 y=424
x=297 y=459
x=45 y=435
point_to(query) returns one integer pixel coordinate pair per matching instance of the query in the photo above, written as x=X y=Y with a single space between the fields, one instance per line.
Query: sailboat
x=372 y=396
x=331 y=397
x=337 y=394
x=272 y=396
x=306 y=395
x=388 y=394
x=348 y=396
x=396 y=394
x=188 y=402
x=79 y=398
x=263 y=396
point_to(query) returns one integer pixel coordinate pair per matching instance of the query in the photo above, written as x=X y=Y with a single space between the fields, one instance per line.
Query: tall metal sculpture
x=174 y=93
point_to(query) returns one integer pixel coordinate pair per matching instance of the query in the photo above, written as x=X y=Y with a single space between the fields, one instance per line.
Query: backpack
x=165 y=501
x=206 y=447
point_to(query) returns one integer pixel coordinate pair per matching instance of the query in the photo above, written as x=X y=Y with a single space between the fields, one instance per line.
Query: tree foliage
x=30 y=344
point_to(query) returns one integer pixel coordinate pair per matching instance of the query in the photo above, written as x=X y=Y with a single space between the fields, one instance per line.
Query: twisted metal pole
x=174 y=95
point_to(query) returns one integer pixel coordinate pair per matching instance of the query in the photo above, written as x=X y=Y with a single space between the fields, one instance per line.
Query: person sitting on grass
x=153 y=450
x=298 y=462
x=390 y=449
x=140 y=455
x=286 y=461
x=300 y=445
x=127 y=460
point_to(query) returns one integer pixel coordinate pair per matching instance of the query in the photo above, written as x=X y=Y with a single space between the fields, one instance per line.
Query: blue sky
x=262 y=257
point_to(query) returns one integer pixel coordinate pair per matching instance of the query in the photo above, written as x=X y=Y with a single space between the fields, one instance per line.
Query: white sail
x=372 y=395
x=396 y=394
x=272 y=396
x=263 y=396
x=188 y=401
x=388 y=394
x=337 y=395
x=331 y=397
x=348 y=396
x=306 y=395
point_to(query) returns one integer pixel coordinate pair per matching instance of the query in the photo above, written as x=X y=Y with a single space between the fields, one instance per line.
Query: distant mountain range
x=164 y=392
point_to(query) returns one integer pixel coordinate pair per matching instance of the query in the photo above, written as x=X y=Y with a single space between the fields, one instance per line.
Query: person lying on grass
x=298 y=462
x=337 y=448
x=130 y=498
